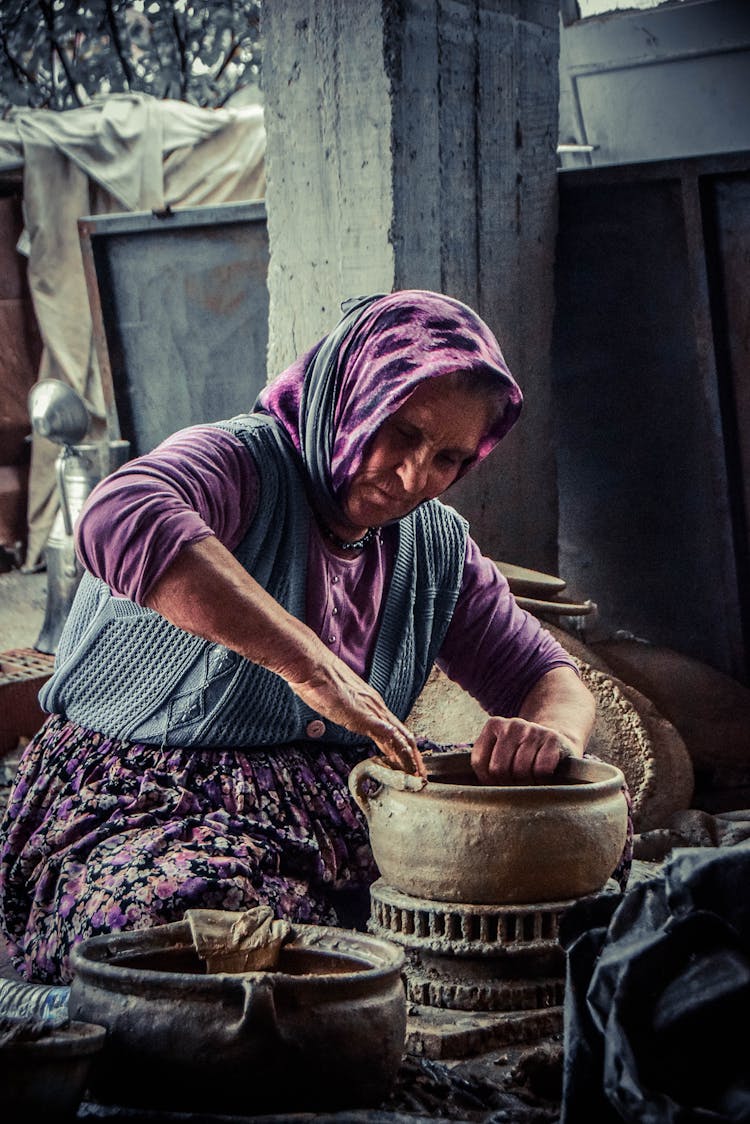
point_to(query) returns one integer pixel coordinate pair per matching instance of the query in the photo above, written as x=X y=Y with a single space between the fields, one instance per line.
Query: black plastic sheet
x=658 y=996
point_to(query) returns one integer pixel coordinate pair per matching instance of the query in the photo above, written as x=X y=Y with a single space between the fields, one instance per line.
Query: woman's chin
x=373 y=509
x=373 y=515
x=378 y=515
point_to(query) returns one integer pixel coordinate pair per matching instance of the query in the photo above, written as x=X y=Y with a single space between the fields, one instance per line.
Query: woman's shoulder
x=267 y=443
x=248 y=425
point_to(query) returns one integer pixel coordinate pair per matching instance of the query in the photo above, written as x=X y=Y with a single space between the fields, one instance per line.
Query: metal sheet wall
x=180 y=309
x=647 y=381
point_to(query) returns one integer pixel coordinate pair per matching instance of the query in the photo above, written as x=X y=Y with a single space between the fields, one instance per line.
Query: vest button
x=316 y=728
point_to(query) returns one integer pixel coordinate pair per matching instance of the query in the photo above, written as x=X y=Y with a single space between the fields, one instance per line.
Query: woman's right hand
x=339 y=694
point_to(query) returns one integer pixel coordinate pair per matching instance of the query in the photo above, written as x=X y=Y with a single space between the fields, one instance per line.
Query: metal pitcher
x=59 y=413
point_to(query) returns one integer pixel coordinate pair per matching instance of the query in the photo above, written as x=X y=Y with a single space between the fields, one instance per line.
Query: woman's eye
x=406 y=434
x=448 y=459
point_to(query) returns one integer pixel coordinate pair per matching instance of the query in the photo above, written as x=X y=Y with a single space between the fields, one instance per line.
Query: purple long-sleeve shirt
x=203 y=481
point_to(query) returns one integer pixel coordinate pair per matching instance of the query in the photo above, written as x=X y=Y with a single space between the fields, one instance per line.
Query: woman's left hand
x=555 y=720
x=513 y=750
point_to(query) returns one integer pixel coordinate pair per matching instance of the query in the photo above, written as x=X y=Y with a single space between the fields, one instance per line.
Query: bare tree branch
x=182 y=54
x=57 y=50
x=122 y=55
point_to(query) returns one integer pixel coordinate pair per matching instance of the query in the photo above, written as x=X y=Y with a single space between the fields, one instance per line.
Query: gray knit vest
x=123 y=670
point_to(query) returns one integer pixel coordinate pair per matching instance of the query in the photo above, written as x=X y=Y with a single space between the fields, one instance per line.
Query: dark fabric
x=657 y=995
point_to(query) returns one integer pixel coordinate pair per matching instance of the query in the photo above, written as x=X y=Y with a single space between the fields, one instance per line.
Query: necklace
x=358 y=544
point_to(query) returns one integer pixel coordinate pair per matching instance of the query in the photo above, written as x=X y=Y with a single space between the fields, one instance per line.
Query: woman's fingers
x=395 y=742
x=398 y=745
x=512 y=750
x=340 y=695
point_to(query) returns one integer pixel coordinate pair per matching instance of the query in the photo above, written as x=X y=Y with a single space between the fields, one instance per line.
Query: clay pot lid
x=559 y=607
x=530 y=583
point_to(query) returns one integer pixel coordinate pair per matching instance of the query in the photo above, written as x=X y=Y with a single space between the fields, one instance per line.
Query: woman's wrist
x=561 y=702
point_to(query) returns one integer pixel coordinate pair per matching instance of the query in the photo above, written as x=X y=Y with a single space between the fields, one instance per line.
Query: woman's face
x=416 y=454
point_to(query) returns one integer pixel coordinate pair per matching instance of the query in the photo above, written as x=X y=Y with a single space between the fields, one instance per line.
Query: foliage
x=58 y=54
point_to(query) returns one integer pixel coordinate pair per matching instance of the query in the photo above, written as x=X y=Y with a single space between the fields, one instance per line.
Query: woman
x=264 y=600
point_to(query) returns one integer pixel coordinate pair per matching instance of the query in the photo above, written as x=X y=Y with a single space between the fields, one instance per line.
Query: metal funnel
x=58 y=412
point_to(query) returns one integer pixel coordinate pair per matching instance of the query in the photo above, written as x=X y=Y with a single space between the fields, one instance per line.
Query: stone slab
x=432 y=1033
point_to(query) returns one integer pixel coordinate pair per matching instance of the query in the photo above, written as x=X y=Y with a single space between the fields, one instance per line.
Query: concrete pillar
x=411 y=143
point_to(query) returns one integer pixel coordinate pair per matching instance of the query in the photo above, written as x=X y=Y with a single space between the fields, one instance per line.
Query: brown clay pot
x=324 y=1030
x=454 y=840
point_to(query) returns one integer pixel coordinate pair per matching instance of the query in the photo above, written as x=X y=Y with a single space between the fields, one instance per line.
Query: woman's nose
x=413 y=474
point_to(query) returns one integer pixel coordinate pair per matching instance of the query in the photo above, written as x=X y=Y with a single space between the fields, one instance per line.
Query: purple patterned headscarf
x=333 y=399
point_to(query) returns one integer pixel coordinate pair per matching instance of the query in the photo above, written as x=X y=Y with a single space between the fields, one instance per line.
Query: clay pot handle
x=383 y=777
x=259 y=1009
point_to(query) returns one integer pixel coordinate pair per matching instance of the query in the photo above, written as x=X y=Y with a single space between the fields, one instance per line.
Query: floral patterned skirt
x=102 y=835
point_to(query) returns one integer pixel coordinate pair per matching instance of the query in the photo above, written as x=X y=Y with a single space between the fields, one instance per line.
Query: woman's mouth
x=371 y=504
x=394 y=506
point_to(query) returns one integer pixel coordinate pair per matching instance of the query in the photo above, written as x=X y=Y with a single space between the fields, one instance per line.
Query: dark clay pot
x=44 y=1078
x=324 y=1031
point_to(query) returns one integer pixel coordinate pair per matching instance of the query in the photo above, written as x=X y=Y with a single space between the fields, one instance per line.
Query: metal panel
x=180 y=308
x=646 y=490
x=652 y=85
x=644 y=112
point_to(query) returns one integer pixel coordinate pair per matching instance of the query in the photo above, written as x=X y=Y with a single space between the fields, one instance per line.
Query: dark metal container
x=44 y=1077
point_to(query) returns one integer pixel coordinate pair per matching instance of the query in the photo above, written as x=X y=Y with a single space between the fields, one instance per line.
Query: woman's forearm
x=206 y=591
x=562 y=702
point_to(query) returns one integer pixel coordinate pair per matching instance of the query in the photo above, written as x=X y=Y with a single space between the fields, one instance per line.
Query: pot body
x=45 y=1078
x=324 y=1031
x=454 y=840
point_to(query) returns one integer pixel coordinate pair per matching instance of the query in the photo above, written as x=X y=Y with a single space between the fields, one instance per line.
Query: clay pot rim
x=560 y=607
x=596 y=778
x=530 y=583
x=77 y=1039
x=87 y=959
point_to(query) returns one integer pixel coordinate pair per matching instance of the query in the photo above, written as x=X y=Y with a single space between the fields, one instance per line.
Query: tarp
x=657 y=996
x=127 y=152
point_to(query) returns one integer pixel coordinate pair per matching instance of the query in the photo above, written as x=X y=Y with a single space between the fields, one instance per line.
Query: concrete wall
x=412 y=144
x=328 y=165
